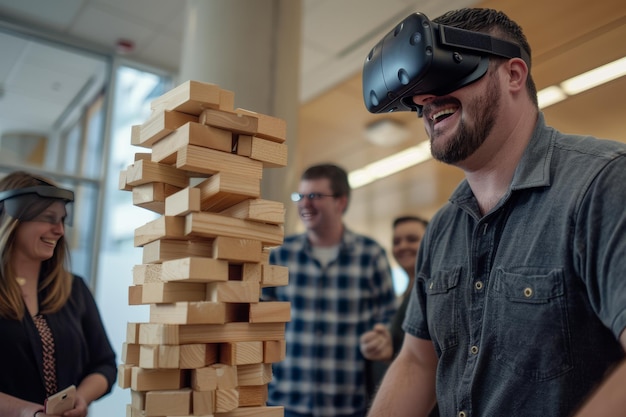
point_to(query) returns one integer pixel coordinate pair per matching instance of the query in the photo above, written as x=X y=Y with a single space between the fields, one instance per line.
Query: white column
x=250 y=47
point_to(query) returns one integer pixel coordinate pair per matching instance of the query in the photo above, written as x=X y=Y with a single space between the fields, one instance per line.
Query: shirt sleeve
x=101 y=354
x=600 y=246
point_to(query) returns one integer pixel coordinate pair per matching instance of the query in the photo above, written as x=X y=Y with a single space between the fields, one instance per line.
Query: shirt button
x=478 y=285
x=462 y=414
x=528 y=292
x=474 y=350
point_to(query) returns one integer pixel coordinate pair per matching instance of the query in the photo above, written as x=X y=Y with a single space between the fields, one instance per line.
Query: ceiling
x=567 y=36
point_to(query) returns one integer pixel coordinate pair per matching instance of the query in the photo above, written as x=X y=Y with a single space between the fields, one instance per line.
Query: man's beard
x=469 y=138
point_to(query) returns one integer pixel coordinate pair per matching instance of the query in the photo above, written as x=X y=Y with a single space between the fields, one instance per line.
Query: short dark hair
x=495 y=23
x=337 y=176
x=410 y=218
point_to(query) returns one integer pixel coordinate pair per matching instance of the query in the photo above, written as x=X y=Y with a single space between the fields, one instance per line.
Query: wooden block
x=226 y=376
x=258 y=210
x=252 y=272
x=135 y=130
x=268 y=127
x=164 y=227
x=209 y=161
x=235 y=122
x=142 y=156
x=271 y=154
x=233 y=292
x=178 y=334
x=166 y=149
x=146 y=273
x=124 y=375
x=203 y=402
x=266 y=255
x=130 y=353
x=183 y=202
x=198 y=355
x=195 y=269
x=122 y=183
x=211 y=225
x=135 y=295
x=168 y=403
x=270 y=312
x=226 y=189
x=204 y=379
x=171 y=292
x=138 y=399
x=133 y=412
x=144 y=172
x=156 y=379
x=151 y=196
x=237 y=250
x=253 y=396
x=190 y=312
x=255 y=374
x=132 y=333
x=190 y=97
x=269 y=411
x=274 y=351
x=164 y=249
x=226 y=400
x=227 y=100
x=274 y=275
x=161 y=124
x=159 y=356
x=241 y=353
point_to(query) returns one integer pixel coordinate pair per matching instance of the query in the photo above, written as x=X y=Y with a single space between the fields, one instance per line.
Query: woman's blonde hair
x=55 y=280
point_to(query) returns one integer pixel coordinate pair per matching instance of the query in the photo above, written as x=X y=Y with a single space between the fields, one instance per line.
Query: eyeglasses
x=295 y=197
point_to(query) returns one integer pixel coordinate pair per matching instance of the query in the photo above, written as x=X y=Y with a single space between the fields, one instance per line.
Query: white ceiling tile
x=163 y=51
x=105 y=28
x=156 y=12
x=11 y=48
x=57 y=14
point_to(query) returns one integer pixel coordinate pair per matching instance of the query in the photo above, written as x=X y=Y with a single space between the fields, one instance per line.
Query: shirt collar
x=533 y=169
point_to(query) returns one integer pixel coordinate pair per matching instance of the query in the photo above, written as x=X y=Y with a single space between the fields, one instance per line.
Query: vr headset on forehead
x=422 y=57
x=19 y=202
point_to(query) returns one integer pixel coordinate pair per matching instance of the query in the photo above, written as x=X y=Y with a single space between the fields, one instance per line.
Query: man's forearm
x=610 y=398
x=407 y=389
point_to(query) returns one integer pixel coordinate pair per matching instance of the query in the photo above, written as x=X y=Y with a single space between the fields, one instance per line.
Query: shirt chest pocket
x=530 y=323
x=443 y=307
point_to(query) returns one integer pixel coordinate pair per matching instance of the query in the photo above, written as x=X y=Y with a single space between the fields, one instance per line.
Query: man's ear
x=343 y=203
x=518 y=73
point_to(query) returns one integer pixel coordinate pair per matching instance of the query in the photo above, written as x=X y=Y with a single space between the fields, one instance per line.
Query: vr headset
x=422 y=57
x=19 y=202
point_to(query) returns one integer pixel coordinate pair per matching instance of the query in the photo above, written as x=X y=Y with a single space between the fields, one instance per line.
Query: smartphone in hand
x=60 y=402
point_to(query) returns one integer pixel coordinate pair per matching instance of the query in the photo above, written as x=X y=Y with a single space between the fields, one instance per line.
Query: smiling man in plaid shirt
x=339 y=286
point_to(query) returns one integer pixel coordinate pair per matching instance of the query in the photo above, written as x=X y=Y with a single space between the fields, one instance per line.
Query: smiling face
x=407 y=237
x=36 y=240
x=320 y=213
x=460 y=122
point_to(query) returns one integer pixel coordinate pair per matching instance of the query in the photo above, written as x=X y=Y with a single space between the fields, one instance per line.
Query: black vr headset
x=18 y=202
x=422 y=57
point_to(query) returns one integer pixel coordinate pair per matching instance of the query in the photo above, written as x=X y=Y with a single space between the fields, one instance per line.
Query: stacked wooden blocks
x=208 y=347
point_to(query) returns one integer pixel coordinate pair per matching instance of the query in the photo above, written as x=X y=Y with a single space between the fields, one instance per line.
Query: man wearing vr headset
x=52 y=333
x=519 y=305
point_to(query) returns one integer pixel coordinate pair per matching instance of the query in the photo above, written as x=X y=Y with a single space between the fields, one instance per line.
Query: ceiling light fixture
x=386 y=132
x=595 y=77
x=390 y=165
x=546 y=97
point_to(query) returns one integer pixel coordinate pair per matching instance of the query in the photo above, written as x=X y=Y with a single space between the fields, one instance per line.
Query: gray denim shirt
x=525 y=305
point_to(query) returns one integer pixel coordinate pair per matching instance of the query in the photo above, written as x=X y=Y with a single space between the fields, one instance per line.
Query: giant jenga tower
x=208 y=347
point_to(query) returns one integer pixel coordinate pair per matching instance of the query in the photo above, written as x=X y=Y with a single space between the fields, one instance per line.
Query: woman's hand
x=80 y=408
x=376 y=345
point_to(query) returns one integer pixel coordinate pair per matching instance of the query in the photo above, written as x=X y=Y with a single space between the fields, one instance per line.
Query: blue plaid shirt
x=331 y=306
